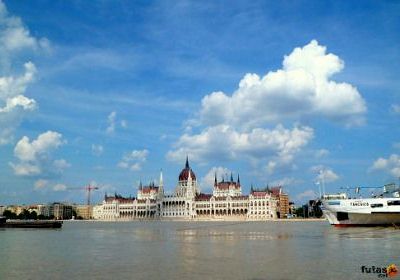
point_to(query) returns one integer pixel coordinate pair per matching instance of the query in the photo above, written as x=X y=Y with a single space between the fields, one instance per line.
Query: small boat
x=379 y=210
x=4 y=223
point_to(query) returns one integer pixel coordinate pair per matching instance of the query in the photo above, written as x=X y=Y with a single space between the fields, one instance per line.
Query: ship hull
x=356 y=219
x=31 y=224
x=362 y=212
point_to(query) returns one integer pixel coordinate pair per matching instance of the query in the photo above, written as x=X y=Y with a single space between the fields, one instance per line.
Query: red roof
x=119 y=199
x=203 y=197
x=258 y=193
x=148 y=189
x=276 y=190
x=226 y=185
x=184 y=175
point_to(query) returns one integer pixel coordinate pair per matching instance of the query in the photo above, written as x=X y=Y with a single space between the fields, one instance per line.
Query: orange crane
x=88 y=190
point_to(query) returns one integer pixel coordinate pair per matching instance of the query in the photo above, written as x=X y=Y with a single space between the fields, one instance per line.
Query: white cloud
x=302 y=88
x=224 y=142
x=97 y=150
x=134 y=160
x=285 y=182
x=207 y=182
x=395 y=108
x=13 y=103
x=306 y=195
x=61 y=164
x=15 y=41
x=111 y=122
x=324 y=174
x=40 y=184
x=14 y=36
x=35 y=157
x=390 y=165
x=59 y=187
x=26 y=169
x=238 y=125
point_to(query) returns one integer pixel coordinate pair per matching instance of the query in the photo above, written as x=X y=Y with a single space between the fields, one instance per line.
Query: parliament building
x=187 y=202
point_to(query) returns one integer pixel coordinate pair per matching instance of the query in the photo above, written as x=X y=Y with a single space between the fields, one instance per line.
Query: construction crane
x=88 y=190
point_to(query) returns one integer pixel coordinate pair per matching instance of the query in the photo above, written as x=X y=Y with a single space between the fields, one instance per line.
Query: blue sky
x=110 y=92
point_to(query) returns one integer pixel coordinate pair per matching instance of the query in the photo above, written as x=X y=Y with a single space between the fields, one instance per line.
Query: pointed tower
x=231 y=177
x=161 y=185
x=215 y=179
x=189 y=189
x=238 y=180
x=187 y=163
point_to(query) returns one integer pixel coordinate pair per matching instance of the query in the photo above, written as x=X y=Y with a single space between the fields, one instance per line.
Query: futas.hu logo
x=382 y=272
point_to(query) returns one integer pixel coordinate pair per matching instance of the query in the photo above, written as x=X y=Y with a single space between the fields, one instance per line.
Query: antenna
x=323 y=181
x=319 y=188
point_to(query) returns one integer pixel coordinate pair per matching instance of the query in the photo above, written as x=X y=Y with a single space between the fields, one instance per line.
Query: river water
x=197 y=250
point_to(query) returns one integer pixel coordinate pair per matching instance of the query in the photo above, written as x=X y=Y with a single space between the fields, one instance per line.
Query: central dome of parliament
x=184 y=175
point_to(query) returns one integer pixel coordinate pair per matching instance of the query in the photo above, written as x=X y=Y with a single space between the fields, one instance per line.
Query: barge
x=4 y=223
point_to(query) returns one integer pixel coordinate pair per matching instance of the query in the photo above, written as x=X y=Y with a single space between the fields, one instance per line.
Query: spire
x=231 y=177
x=105 y=196
x=140 y=184
x=251 y=188
x=187 y=162
x=238 y=180
x=215 y=179
x=161 y=179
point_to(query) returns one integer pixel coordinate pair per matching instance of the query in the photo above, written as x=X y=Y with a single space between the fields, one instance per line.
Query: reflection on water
x=204 y=250
x=191 y=234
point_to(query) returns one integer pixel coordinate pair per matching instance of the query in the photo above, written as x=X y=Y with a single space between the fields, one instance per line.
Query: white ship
x=380 y=210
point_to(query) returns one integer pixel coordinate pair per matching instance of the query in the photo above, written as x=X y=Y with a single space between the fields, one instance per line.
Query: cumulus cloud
x=390 y=165
x=35 y=156
x=59 y=187
x=40 y=184
x=134 y=160
x=225 y=142
x=306 y=195
x=112 y=123
x=13 y=103
x=207 y=182
x=285 y=182
x=324 y=174
x=97 y=150
x=15 y=37
x=15 y=40
x=302 y=88
x=238 y=125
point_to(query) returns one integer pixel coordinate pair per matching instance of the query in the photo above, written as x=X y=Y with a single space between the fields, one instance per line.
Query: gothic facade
x=187 y=202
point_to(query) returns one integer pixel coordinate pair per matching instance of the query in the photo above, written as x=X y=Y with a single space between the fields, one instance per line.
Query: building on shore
x=60 y=211
x=83 y=211
x=187 y=202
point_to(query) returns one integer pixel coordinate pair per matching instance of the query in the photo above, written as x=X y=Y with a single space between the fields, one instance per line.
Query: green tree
x=9 y=215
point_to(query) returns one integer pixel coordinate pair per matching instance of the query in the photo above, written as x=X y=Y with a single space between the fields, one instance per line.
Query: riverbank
x=228 y=219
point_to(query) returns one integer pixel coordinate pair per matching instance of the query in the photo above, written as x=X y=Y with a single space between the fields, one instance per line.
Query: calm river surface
x=196 y=250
